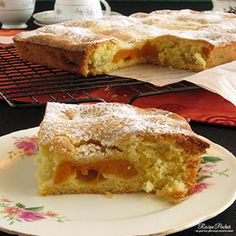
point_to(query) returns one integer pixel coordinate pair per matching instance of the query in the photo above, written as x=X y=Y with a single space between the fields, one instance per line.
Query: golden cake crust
x=183 y=39
x=66 y=127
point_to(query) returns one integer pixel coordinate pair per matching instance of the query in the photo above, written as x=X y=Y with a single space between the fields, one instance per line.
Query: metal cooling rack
x=38 y=84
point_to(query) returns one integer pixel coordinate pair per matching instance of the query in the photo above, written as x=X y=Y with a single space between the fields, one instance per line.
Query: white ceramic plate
x=49 y=17
x=22 y=210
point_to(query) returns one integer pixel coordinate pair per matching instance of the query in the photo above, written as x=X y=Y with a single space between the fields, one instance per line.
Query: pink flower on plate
x=13 y=211
x=28 y=145
x=208 y=167
x=51 y=214
x=31 y=216
x=200 y=187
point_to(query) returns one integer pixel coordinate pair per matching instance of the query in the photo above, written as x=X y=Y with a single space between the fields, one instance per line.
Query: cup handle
x=107 y=7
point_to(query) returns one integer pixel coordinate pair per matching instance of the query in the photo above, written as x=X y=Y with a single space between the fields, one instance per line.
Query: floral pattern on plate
x=24 y=147
x=208 y=169
x=17 y=212
x=28 y=145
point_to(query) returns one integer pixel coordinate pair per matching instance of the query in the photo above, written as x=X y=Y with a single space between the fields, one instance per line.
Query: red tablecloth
x=197 y=105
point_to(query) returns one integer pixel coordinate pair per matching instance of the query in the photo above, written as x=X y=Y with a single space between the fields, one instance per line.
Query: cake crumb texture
x=117 y=148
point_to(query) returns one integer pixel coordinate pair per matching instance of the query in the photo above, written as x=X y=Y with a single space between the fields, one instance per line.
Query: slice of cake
x=182 y=39
x=117 y=148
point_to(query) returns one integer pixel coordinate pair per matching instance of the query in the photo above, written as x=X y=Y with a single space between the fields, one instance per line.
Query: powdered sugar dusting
x=107 y=123
x=215 y=27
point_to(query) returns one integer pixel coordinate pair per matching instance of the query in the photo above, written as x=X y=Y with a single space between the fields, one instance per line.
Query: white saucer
x=49 y=17
x=38 y=23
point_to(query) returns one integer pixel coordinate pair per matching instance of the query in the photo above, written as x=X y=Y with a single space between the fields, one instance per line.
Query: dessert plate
x=23 y=211
x=49 y=17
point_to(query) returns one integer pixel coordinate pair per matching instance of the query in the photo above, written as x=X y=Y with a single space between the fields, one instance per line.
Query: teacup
x=14 y=14
x=80 y=9
x=224 y=5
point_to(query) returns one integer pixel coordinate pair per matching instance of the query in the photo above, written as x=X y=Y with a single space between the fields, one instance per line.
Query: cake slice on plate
x=117 y=148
